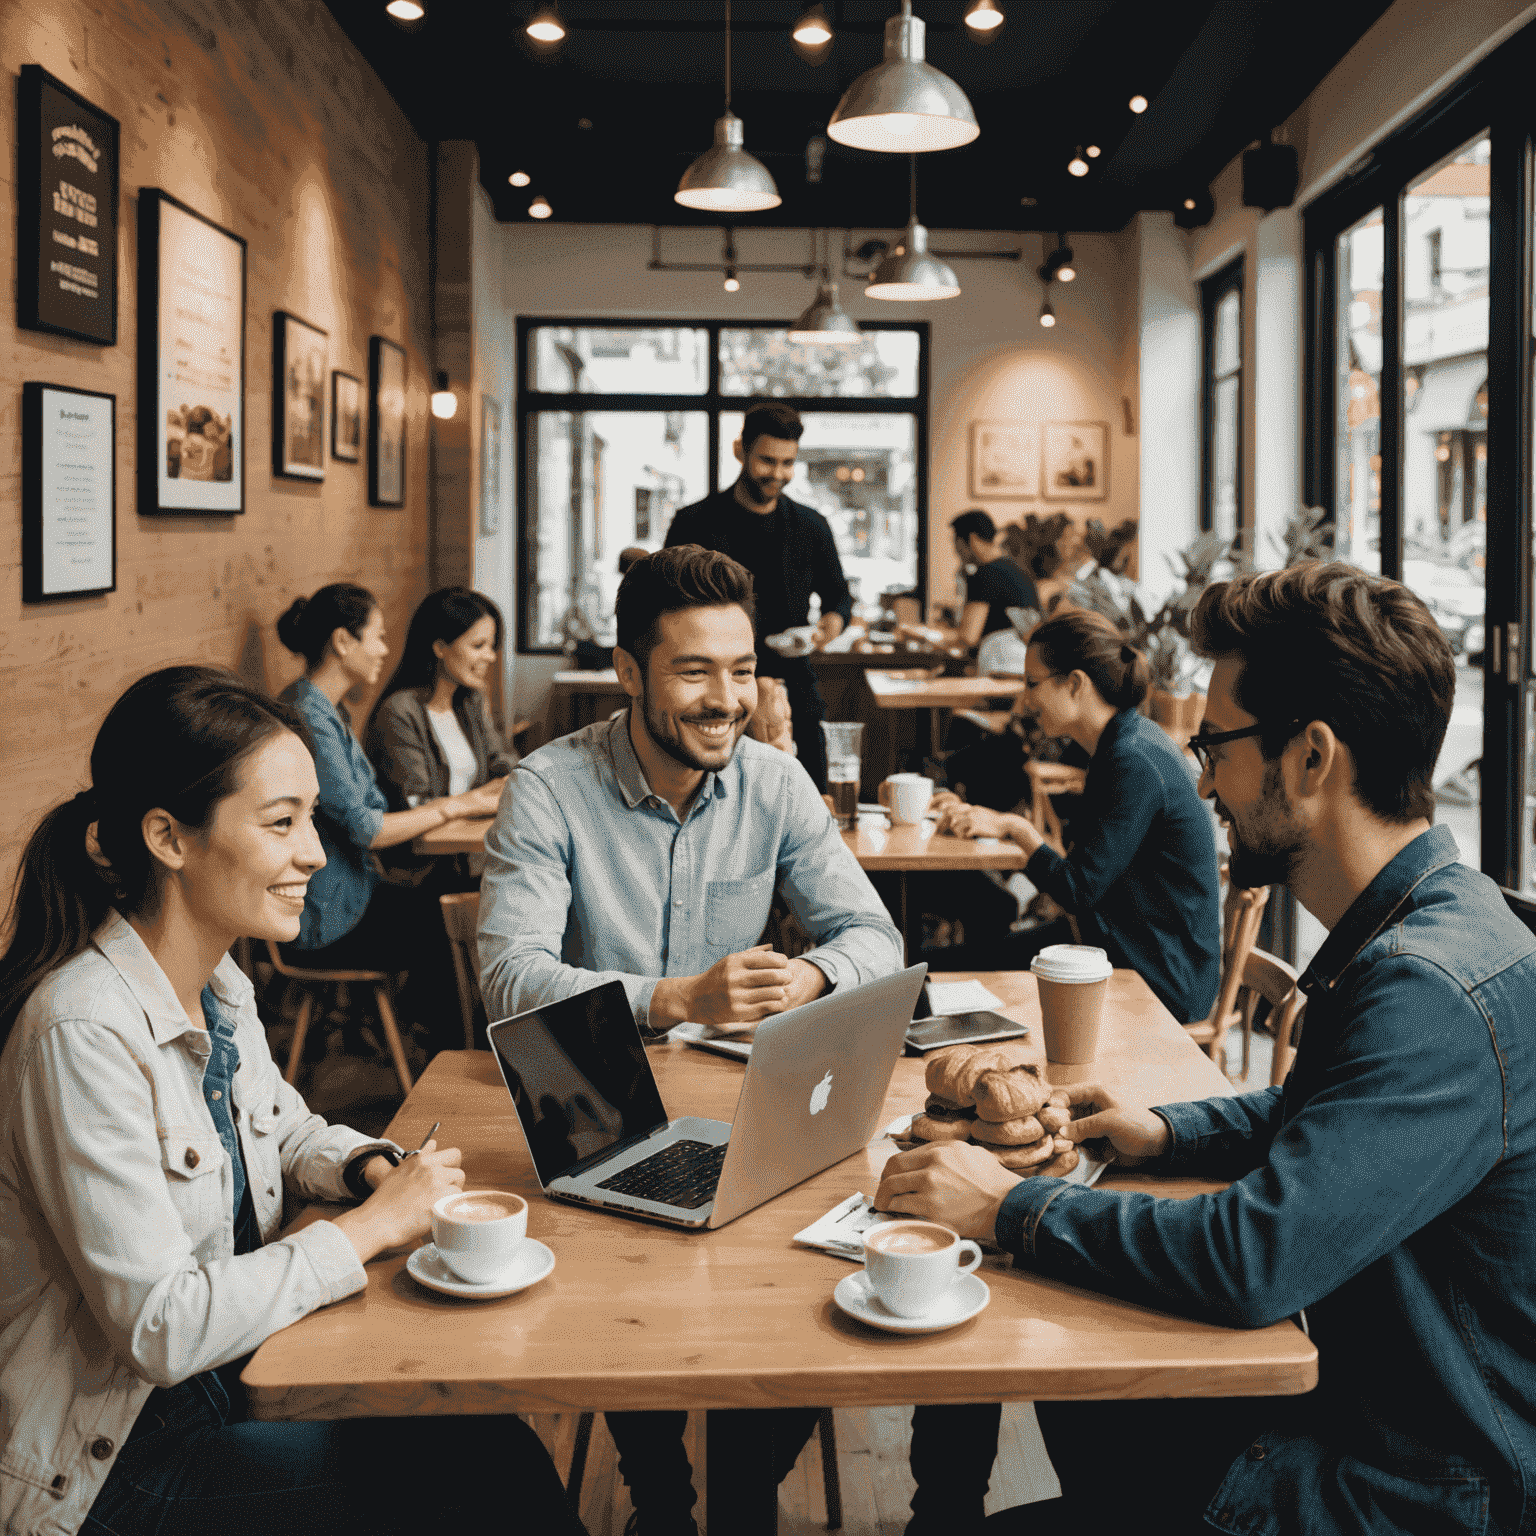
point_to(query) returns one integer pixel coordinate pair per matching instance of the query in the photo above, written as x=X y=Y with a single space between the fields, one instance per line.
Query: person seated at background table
x=1388 y=1187
x=1141 y=879
x=352 y=918
x=430 y=735
x=147 y=1143
x=646 y=849
x=993 y=584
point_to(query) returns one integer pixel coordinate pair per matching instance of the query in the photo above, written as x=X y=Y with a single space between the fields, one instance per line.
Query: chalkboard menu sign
x=66 y=212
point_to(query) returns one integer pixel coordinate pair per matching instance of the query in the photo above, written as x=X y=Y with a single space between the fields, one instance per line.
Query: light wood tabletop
x=892 y=692
x=913 y=849
x=606 y=680
x=465 y=834
x=639 y=1317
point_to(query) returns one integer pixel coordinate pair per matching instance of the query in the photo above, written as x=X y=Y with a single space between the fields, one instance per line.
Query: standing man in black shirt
x=789 y=549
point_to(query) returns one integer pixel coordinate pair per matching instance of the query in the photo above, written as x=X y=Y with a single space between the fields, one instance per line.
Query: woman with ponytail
x=1141 y=877
x=148 y=1142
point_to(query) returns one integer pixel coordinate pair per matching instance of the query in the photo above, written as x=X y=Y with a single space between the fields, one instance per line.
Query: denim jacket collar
x=1373 y=909
x=631 y=776
x=151 y=987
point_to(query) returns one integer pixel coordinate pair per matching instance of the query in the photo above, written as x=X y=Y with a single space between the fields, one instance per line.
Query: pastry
x=1021 y=1159
x=942 y=1109
x=1056 y=1114
x=953 y=1073
x=928 y=1128
x=1008 y=1133
x=1010 y=1093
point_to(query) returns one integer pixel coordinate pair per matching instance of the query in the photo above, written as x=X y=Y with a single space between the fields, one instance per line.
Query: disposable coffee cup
x=912 y=1264
x=906 y=796
x=1072 y=979
x=479 y=1231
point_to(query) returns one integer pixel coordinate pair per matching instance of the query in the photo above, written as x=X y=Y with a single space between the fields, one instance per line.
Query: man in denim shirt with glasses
x=1388 y=1188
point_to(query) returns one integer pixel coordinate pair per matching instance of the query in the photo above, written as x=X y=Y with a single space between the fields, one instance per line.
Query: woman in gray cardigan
x=431 y=732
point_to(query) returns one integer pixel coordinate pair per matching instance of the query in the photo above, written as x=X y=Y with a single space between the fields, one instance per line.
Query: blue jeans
x=196 y=1465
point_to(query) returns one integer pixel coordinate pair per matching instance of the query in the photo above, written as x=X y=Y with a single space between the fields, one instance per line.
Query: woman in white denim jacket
x=147 y=1142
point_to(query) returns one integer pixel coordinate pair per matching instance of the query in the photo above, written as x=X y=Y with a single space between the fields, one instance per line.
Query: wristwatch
x=352 y=1175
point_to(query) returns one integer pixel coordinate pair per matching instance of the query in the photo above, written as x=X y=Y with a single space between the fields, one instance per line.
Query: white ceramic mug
x=911 y=1264
x=478 y=1232
x=907 y=797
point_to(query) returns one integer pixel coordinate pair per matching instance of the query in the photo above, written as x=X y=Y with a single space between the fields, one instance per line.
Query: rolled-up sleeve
x=85 y=1121
x=856 y=941
x=525 y=900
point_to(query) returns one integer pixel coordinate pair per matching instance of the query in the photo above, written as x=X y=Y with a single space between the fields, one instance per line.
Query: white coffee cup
x=912 y=1264
x=906 y=796
x=478 y=1232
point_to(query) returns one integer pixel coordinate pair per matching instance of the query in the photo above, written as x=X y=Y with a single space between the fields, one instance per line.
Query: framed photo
x=68 y=492
x=1005 y=460
x=66 y=183
x=346 y=417
x=300 y=358
x=386 y=423
x=1076 y=460
x=191 y=402
x=490 y=465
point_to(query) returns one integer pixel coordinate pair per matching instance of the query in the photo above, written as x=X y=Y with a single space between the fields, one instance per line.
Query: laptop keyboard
x=684 y=1174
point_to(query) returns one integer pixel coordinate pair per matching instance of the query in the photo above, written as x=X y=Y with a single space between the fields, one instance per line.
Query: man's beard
x=1274 y=852
x=670 y=741
x=758 y=492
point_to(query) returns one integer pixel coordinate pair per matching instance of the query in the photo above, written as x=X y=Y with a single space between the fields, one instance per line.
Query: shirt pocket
x=193 y=1161
x=736 y=911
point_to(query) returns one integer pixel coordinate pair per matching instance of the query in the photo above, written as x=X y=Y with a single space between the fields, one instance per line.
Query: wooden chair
x=461 y=917
x=1240 y=927
x=1268 y=978
x=1045 y=780
x=311 y=980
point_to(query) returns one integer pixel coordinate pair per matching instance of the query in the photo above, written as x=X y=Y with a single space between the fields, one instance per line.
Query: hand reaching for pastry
x=1136 y=1133
x=961 y=1186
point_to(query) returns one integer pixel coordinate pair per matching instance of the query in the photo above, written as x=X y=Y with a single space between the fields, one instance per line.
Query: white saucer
x=964 y=1299
x=532 y=1263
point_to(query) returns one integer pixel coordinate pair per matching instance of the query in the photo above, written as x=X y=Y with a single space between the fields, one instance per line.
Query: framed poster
x=66 y=183
x=386 y=423
x=1005 y=460
x=191 y=361
x=300 y=358
x=1077 y=460
x=346 y=417
x=68 y=492
x=490 y=465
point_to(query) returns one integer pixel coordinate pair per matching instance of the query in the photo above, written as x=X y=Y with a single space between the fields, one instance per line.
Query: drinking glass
x=845 y=742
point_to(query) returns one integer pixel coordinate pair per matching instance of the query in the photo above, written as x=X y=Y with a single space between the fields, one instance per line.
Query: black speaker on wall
x=1271 y=173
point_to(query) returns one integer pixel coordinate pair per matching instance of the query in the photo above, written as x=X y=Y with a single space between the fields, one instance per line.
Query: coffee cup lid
x=1072 y=962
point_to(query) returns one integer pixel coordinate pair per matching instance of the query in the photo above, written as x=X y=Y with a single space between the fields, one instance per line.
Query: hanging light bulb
x=1077 y=166
x=825 y=322
x=984 y=16
x=444 y=401
x=1047 y=315
x=813 y=30
x=539 y=208
x=519 y=178
x=726 y=179
x=907 y=272
x=1066 y=272
x=1138 y=104
x=546 y=26
x=1094 y=151
x=732 y=282
x=406 y=10
x=903 y=106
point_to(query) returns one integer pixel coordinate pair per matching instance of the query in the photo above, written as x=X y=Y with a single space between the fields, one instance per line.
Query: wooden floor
x=872 y=1469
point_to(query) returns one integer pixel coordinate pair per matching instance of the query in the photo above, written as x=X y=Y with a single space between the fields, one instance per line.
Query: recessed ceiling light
x=406 y=10
x=539 y=208
x=1189 y=204
x=1094 y=151
x=1138 y=104
x=519 y=178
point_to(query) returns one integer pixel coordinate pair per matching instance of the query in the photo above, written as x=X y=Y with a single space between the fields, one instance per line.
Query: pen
x=424 y=1140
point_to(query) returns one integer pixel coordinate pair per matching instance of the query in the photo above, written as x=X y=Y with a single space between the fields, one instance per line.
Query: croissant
x=954 y=1073
x=1021 y=1159
x=1007 y=1133
x=928 y=1128
x=1010 y=1094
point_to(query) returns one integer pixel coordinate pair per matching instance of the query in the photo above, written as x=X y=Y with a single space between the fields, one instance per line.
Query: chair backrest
x=1268 y=977
x=1240 y=927
x=461 y=917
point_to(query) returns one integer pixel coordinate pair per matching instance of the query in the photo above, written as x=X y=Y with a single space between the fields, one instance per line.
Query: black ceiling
x=607 y=121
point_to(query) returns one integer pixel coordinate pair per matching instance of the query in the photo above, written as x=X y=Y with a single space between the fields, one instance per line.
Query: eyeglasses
x=1201 y=745
x=1031 y=683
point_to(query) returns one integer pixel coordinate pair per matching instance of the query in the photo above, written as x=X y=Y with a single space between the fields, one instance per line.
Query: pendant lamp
x=907 y=271
x=825 y=323
x=726 y=179
x=903 y=106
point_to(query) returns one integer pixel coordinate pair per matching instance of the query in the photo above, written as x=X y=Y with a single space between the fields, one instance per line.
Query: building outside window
x=1221 y=302
x=623 y=424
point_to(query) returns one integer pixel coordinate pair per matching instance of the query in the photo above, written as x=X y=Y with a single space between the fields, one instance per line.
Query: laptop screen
x=579 y=1077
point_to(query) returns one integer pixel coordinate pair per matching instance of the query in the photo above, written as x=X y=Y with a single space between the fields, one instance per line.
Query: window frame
x=1213 y=289
x=712 y=403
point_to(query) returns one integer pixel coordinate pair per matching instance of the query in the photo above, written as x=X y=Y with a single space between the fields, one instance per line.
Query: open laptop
x=599 y=1134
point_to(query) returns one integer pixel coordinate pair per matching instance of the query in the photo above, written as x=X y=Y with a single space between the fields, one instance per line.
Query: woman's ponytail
x=1087 y=642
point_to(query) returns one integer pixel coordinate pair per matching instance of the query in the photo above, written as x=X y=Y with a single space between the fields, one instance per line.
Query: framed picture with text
x=68 y=492
x=191 y=404
x=386 y=423
x=300 y=362
x=346 y=417
x=1077 y=460
x=66 y=211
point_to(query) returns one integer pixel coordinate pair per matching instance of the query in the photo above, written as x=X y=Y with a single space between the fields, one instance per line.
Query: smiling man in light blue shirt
x=647 y=850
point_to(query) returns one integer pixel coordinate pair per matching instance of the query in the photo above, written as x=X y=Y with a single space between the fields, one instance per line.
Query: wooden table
x=936 y=695
x=466 y=834
x=638 y=1316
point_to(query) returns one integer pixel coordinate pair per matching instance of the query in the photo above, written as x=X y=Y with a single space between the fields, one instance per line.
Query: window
x=1221 y=302
x=623 y=423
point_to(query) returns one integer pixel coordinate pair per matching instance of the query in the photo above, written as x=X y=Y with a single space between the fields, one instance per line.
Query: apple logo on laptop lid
x=820 y=1094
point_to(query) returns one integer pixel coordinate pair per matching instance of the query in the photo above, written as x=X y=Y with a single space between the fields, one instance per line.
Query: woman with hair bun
x=148 y=1143
x=1141 y=878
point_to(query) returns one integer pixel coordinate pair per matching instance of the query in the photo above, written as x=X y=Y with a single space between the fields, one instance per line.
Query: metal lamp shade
x=903 y=106
x=909 y=273
x=826 y=323
x=726 y=179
